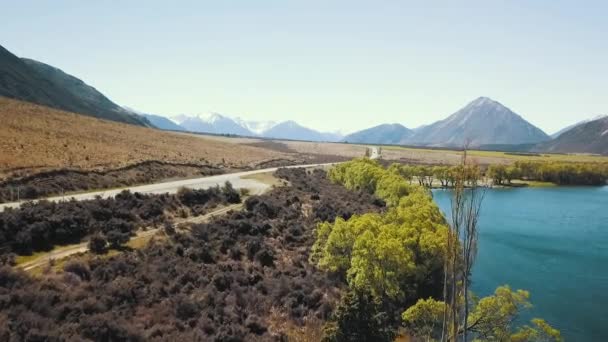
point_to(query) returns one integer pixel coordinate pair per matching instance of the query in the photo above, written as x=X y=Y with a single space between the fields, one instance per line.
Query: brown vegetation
x=244 y=277
x=64 y=181
x=42 y=225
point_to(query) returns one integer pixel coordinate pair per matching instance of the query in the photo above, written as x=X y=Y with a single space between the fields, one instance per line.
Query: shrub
x=97 y=243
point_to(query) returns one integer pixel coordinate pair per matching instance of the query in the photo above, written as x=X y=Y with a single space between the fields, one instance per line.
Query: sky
x=329 y=65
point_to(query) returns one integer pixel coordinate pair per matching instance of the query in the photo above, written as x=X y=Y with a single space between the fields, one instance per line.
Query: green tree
x=493 y=319
x=424 y=319
x=380 y=263
x=539 y=331
x=497 y=173
x=358 y=318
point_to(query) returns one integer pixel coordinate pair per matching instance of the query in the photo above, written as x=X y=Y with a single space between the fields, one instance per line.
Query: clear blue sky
x=326 y=64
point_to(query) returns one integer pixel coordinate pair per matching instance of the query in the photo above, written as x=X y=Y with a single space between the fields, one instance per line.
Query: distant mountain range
x=586 y=137
x=567 y=128
x=483 y=123
x=33 y=81
x=220 y=124
x=392 y=134
x=256 y=127
x=213 y=123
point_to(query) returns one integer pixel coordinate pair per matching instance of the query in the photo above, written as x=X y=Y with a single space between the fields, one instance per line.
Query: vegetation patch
x=407 y=268
x=241 y=277
x=61 y=182
x=42 y=225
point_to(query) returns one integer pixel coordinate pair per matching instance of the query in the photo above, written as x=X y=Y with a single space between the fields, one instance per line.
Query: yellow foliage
x=389 y=254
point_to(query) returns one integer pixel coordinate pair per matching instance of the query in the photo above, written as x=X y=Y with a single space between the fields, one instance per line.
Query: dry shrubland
x=243 y=277
x=39 y=226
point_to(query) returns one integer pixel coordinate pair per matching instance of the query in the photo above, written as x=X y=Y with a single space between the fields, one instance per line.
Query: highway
x=237 y=180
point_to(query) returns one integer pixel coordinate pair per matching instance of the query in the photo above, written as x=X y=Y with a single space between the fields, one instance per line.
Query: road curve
x=173 y=186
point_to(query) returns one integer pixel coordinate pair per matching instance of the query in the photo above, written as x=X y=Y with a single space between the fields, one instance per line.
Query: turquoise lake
x=552 y=242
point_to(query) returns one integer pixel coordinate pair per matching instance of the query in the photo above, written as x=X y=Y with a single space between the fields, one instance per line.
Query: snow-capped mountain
x=257 y=127
x=221 y=124
x=481 y=122
x=212 y=123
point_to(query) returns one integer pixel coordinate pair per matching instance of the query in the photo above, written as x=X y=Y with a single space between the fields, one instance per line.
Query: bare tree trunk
x=471 y=205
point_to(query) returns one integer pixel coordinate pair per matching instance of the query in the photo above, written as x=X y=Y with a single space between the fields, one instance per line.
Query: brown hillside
x=35 y=138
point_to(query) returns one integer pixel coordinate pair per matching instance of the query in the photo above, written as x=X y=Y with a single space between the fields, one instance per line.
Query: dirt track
x=65 y=252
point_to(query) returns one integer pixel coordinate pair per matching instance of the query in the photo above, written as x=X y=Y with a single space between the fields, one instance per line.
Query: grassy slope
x=35 y=138
x=39 y=83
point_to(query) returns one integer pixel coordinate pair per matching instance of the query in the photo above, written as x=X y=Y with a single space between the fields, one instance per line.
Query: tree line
x=561 y=173
x=395 y=265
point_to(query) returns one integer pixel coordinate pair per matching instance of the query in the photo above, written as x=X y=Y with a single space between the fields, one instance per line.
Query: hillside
x=481 y=122
x=590 y=137
x=567 y=128
x=294 y=131
x=35 y=138
x=381 y=134
x=32 y=81
x=162 y=122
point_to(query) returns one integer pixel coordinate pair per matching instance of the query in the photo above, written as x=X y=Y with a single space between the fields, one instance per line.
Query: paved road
x=171 y=187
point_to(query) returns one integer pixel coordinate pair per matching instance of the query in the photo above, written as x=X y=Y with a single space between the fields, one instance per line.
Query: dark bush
x=97 y=243
x=78 y=268
x=230 y=194
x=265 y=257
x=116 y=238
x=42 y=225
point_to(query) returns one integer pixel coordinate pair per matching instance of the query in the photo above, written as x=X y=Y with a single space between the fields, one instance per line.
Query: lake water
x=552 y=242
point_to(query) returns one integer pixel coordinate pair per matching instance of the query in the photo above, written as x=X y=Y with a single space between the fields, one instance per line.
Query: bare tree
x=461 y=248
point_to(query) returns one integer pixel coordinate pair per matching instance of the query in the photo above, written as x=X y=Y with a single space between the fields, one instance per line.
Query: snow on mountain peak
x=257 y=127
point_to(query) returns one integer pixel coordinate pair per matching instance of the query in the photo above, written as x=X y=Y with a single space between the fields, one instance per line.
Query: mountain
x=567 y=128
x=294 y=131
x=32 y=81
x=381 y=134
x=257 y=127
x=162 y=122
x=481 y=122
x=590 y=137
x=214 y=123
x=220 y=124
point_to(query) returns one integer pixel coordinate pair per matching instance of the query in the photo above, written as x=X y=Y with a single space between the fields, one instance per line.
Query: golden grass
x=36 y=138
x=56 y=266
x=482 y=157
x=22 y=259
